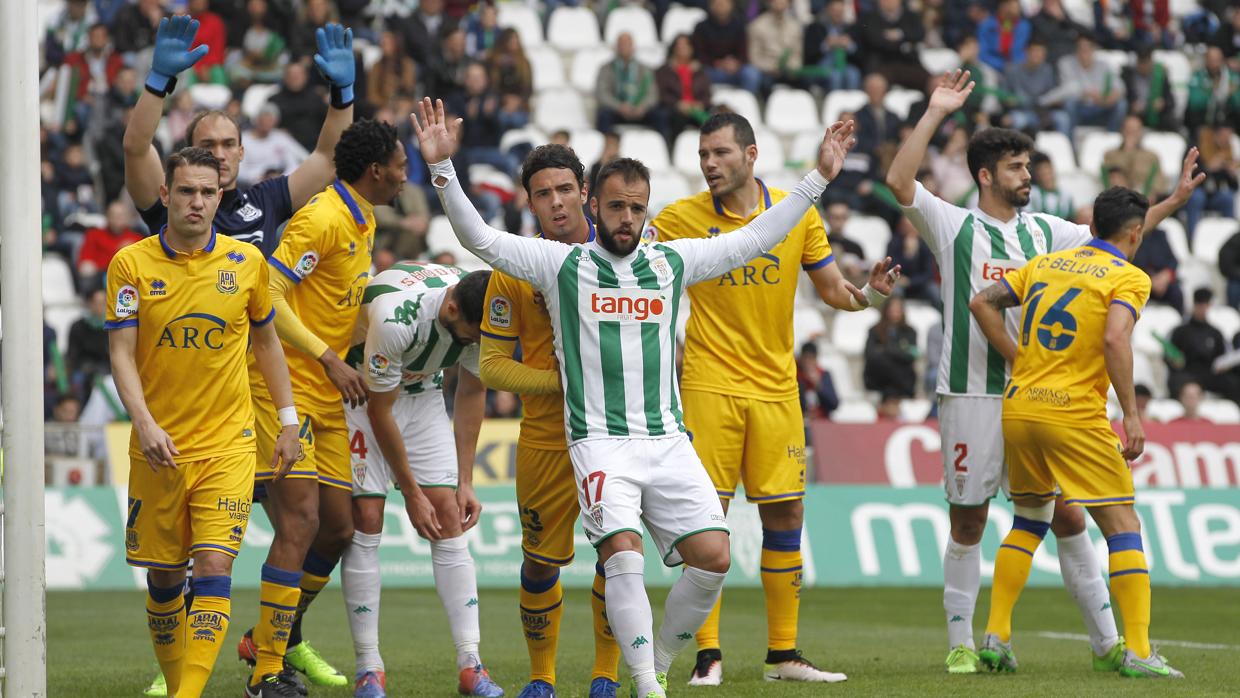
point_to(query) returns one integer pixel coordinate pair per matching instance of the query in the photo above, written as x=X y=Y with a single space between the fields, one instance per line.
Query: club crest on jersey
x=249 y=213
x=126 y=301
x=378 y=364
x=661 y=267
x=306 y=264
x=626 y=304
x=500 y=314
x=226 y=282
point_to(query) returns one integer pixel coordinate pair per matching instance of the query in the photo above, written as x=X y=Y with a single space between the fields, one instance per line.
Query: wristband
x=342 y=97
x=160 y=85
x=287 y=416
x=874 y=297
x=442 y=172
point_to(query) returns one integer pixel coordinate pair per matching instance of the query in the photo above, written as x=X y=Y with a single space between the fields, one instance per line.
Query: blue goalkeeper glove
x=172 y=54
x=335 y=61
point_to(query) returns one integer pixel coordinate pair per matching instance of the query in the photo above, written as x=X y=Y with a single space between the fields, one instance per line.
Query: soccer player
x=1077 y=311
x=186 y=306
x=554 y=181
x=417 y=320
x=613 y=309
x=974 y=248
x=320 y=272
x=740 y=381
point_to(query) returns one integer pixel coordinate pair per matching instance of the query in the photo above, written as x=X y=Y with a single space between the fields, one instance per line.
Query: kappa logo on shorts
x=500 y=313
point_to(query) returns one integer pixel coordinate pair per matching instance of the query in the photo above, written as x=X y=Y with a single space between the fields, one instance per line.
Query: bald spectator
x=268 y=148
x=626 y=92
x=1140 y=165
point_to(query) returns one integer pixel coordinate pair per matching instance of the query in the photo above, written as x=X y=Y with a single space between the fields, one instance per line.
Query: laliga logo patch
x=378 y=364
x=501 y=312
x=126 y=301
x=650 y=234
x=306 y=264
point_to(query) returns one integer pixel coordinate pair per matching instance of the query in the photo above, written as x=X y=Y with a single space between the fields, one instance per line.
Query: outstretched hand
x=335 y=56
x=438 y=138
x=836 y=143
x=1190 y=179
x=884 y=276
x=953 y=90
x=171 y=54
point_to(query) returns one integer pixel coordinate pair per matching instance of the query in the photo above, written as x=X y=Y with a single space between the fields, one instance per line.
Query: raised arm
x=949 y=97
x=988 y=308
x=1189 y=180
x=335 y=60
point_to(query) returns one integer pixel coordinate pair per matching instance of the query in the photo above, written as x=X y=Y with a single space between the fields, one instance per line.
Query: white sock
x=688 y=604
x=359 y=579
x=632 y=623
x=1082 y=575
x=458 y=591
x=962 y=576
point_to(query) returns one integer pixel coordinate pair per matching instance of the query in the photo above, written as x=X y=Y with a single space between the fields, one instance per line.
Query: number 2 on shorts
x=598 y=475
x=962 y=452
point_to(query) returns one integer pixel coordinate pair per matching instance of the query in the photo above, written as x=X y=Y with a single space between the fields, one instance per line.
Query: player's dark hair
x=742 y=130
x=988 y=147
x=193 y=124
x=470 y=294
x=627 y=168
x=363 y=144
x=1116 y=208
x=196 y=157
x=552 y=156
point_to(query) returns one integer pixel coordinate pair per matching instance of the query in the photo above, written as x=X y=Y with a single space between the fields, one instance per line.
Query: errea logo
x=626 y=304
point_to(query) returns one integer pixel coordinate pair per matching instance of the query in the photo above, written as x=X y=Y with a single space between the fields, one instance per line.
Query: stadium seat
x=573 y=28
x=922 y=317
x=1058 y=148
x=560 y=108
x=210 y=96
x=680 y=20
x=1085 y=186
x=739 y=101
x=1220 y=411
x=804 y=151
x=1115 y=59
x=1180 y=8
x=1179 y=72
x=637 y=21
x=807 y=325
x=646 y=145
x=789 y=111
x=872 y=233
x=652 y=56
x=588 y=144
x=371 y=54
x=60 y=318
x=1170 y=148
x=586 y=64
x=666 y=186
x=1209 y=237
x=849 y=330
x=1156 y=320
x=1164 y=410
x=546 y=66
x=1176 y=238
x=255 y=98
x=524 y=18
x=528 y=134
x=1225 y=319
x=1081 y=11
x=840 y=101
x=770 y=152
x=685 y=153
x=915 y=410
x=841 y=373
x=939 y=60
x=440 y=238
x=1094 y=145
x=855 y=412
x=1143 y=371
x=57 y=281
x=900 y=100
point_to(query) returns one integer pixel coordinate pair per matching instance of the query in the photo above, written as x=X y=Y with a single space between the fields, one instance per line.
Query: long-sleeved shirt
x=714 y=41
x=775 y=42
x=623 y=82
x=1075 y=80
x=991 y=44
x=1029 y=83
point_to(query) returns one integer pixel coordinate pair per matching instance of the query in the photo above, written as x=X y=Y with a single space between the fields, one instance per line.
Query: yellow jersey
x=738 y=340
x=1060 y=373
x=325 y=251
x=193 y=313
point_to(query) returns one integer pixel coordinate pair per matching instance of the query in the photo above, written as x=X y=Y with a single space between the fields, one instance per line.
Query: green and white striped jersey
x=974 y=251
x=1056 y=203
x=614 y=318
x=398 y=338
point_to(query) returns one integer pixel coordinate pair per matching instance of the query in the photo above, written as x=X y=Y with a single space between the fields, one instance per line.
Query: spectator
x=384 y=257
x=1213 y=94
x=101 y=244
x=1143 y=400
x=1221 y=164
x=1045 y=196
x=68 y=32
x=1094 y=96
x=1140 y=165
x=268 y=148
x=878 y=128
x=1192 y=350
x=1028 y=84
x=510 y=68
x=1112 y=25
x=75 y=187
x=848 y=253
x=626 y=92
x=504 y=405
x=1227 y=38
x=303 y=107
x=814 y=384
x=88 y=345
x=889 y=43
x=211 y=33
x=1149 y=92
x=1190 y=397
x=402 y=226
x=479 y=106
x=301 y=35
x=67 y=409
x=55 y=377
x=684 y=88
x=890 y=350
x=135 y=25
x=1156 y=258
x=984 y=102
x=951 y=169
x=1004 y=35
x=1229 y=267
x=445 y=257
x=1057 y=30
x=1151 y=21
x=611 y=151
x=482 y=30
x=423 y=30
x=918 y=275
x=961 y=18
x=261 y=57
x=719 y=42
x=92 y=71
x=831 y=45
x=446 y=71
x=776 y=39
x=395 y=72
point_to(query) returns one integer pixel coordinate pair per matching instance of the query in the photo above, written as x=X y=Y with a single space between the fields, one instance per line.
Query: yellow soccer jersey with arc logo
x=1060 y=373
x=326 y=253
x=738 y=340
x=193 y=313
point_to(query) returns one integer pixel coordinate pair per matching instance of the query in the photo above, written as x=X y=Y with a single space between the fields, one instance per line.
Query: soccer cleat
x=370 y=684
x=962 y=660
x=790 y=665
x=271 y=686
x=475 y=681
x=660 y=676
x=1112 y=660
x=538 y=689
x=158 y=687
x=247 y=652
x=996 y=655
x=308 y=661
x=603 y=687
x=708 y=671
x=1154 y=666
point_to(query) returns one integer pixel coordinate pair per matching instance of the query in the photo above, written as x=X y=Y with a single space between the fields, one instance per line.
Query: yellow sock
x=606 y=651
x=277 y=605
x=781 y=584
x=1130 y=585
x=165 y=618
x=1012 y=565
x=208 y=625
x=316 y=571
x=707 y=636
x=541 y=609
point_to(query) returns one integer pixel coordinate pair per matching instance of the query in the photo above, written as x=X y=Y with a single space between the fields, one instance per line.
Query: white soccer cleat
x=798 y=668
x=709 y=669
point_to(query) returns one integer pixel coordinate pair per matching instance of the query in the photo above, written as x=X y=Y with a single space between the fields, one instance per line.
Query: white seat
x=804 y=151
x=849 y=331
x=646 y=145
x=922 y=317
x=559 y=109
x=770 y=152
x=210 y=96
x=1180 y=8
x=255 y=97
x=1176 y=238
x=807 y=325
x=637 y=21
x=1156 y=321
x=524 y=18
x=529 y=134
x=839 y=101
x=587 y=143
x=915 y=410
x=680 y=20
x=685 y=153
x=1170 y=147
x=1083 y=185
x=1094 y=146
x=1209 y=237
x=57 y=281
x=872 y=233
x=1116 y=60
x=939 y=60
x=841 y=374
x=666 y=186
x=652 y=56
x=60 y=318
x=1225 y=319
x=371 y=54
x=855 y=412
x=1143 y=371
x=546 y=66
x=1058 y=148
x=1220 y=411
x=790 y=111
x=440 y=238
x=739 y=101
x=586 y=64
x=1179 y=72
x=573 y=28
x=1164 y=410
x=1081 y=11
x=900 y=101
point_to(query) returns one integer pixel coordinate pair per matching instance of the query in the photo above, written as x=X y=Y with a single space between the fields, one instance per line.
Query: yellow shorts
x=547 y=500
x=739 y=439
x=1084 y=462
x=201 y=505
x=324 y=441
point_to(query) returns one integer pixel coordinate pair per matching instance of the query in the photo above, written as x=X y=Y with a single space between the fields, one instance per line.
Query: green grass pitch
x=890 y=642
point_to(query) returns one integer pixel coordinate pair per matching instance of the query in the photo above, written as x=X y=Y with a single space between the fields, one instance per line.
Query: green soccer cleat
x=1154 y=666
x=962 y=660
x=1112 y=660
x=661 y=677
x=996 y=655
x=308 y=661
x=158 y=687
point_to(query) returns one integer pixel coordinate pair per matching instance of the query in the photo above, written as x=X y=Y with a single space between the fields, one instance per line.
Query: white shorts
x=429 y=445
x=973 y=465
x=622 y=483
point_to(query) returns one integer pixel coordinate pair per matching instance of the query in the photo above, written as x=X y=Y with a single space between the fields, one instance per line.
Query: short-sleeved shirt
x=252 y=215
x=1060 y=372
x=326 y=253
x=193 y=313
x=738 y=340
x=975 y=250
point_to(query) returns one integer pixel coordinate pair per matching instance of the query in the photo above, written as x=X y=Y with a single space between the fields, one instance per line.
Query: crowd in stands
x=1114 y=90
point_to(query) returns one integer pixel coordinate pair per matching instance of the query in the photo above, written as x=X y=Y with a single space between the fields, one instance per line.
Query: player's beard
x=1017 y=198
x=608 y=240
